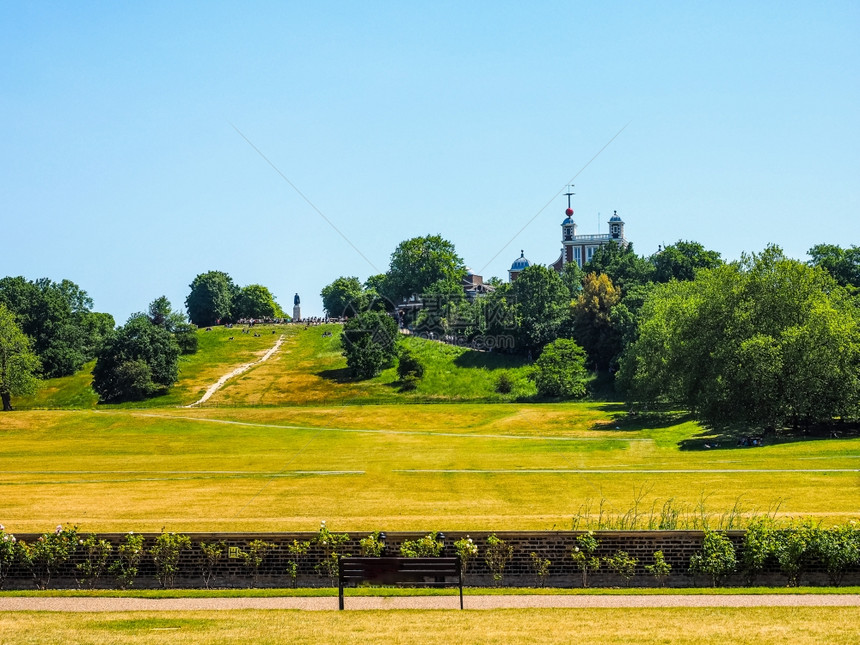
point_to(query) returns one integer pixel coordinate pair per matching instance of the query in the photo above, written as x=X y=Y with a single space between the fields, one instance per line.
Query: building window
x=589 y=252
x=577 y=256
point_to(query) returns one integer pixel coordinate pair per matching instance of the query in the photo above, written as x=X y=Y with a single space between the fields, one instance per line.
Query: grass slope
x=416 y=467
x=309 y=369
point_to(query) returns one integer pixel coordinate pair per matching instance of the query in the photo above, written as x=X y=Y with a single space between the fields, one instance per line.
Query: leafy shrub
x=165 y=555
x=467 y=550
x=96 y=556
x=838 y=549
x=540 y=567
x=497 y=556
x=560 y=370
x=369 y=342
x=660 y=569
x=717 y=558
x=428 y=546
x=295 y=549
x=372 y=545
x=623 y=565
x=212 y=553
x=46 y=555
x=130 y=551
x=793 y=548
x=504 y=384
x=331 y=545
x=8 y=553
x=254 y=556
x=758 y=547
x=583 y=555
x=409 y=367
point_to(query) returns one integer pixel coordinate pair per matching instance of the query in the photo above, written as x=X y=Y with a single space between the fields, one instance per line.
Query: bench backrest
x=393 y=570
x=390 y=571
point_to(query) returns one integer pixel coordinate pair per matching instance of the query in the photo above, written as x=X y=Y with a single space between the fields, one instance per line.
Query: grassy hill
x=275 y=449
x=412 y=467
x=308 y=370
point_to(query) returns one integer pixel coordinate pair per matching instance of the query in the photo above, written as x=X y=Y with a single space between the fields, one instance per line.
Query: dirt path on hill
x=242 y=368
x=428 y=602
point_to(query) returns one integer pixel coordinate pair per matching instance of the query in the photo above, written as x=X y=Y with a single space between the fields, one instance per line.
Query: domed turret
x=616 y=227
x=519 y=264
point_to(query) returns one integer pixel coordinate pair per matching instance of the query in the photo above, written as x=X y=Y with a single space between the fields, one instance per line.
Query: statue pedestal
x=297 y=313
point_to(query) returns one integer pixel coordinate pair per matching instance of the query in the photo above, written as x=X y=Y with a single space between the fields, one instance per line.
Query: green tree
x=211 y=298
x=419 y=262
x=161 y=314
x=18 y=364
x=842 y=264
x=57 y=317
x=255 y=301
x=560 y=370
x=572 y=276
x=622 y=265
x=542 y=305
x=766 y=341
x=593 y=325
x=680 y=261
x=136 y=361
x=343 y=297
x=369 y=342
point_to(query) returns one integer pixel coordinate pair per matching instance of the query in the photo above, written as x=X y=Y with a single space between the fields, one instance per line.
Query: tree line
x=766 y=340
x=48 y=330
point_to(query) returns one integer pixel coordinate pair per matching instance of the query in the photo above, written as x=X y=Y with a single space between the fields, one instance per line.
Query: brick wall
x=556 y=546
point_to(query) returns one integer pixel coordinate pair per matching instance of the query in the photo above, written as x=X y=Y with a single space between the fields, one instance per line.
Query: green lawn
x=397 y=467
x=758 y=625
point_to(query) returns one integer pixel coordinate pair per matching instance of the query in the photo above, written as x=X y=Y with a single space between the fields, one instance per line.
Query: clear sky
x=121 y=167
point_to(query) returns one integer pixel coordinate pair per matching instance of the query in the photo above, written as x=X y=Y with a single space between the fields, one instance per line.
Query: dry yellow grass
x=413 y=467
x=798 y=626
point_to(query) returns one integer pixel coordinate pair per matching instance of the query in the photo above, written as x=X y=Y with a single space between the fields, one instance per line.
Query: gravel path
x=242 y=368
x=427 y=602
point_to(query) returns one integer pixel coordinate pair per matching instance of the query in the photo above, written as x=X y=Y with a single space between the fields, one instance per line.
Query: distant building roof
x=520 y=263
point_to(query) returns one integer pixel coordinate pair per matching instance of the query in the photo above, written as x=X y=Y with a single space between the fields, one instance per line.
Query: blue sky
x=122 y=171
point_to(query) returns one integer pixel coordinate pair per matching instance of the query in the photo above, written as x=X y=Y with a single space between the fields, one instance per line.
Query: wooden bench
x=428 y=572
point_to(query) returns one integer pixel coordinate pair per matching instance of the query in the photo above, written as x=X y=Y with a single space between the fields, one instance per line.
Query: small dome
x=520 y=263
x=568 y=222
x=615 y=217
